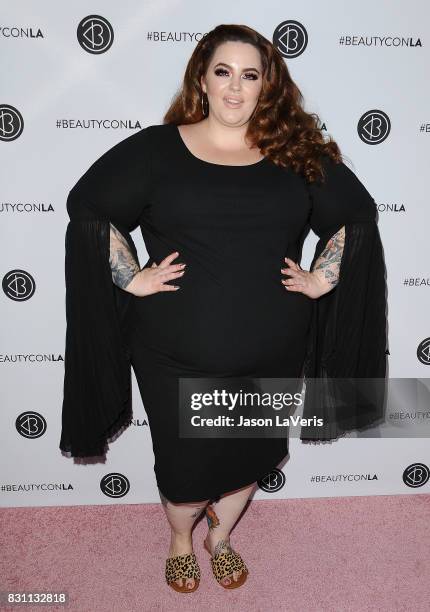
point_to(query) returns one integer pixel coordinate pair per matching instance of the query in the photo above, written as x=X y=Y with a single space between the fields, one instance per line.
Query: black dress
x=232 y=226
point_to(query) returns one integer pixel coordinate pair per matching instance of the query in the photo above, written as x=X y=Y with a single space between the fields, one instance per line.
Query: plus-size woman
x=224 y=192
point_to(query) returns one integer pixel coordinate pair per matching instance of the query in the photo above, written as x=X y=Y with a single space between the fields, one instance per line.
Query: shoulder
x=339 y=175
x=140 y=144
x=342 y=193
x=135 y=146
x=340 y=179
x=127 y=162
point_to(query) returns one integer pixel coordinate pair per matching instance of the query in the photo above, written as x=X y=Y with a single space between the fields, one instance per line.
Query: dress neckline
x=207 y=163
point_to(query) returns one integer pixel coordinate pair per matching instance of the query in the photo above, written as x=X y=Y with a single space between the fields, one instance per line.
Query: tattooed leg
x=229 y=507
x=123 y=264
x=181 y=518
x=223 y=545
x=329 y=260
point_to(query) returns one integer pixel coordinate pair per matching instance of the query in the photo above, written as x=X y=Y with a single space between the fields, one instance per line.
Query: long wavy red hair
x=279 y=126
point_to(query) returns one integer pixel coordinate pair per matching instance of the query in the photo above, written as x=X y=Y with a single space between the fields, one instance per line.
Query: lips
x=233 y=102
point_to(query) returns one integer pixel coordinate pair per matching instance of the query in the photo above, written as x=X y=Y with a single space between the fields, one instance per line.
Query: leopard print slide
x=223 y=564
x=182 y=566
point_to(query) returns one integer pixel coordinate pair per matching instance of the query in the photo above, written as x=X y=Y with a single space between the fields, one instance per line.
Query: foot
x=181 y=545
x=218 y=544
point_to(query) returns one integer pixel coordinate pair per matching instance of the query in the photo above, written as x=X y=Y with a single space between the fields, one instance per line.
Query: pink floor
x=304 y=555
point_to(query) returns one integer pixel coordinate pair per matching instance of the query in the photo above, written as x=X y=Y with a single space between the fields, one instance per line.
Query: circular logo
x=95 y=34
x=30 y=424
x=423 y=351
x=115 y=485
x=290 y=38
x=373 y=127
x=416 y=475
x=273 y=481
x=18 y=285
x=11 y=122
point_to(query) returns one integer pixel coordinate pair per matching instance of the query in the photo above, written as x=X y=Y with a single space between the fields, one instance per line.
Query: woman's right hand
x=151 y=280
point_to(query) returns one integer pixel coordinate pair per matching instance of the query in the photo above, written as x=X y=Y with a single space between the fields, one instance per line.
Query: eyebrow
x=244 y=70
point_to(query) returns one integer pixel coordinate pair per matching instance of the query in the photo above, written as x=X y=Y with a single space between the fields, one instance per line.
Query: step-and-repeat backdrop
x=76 y=79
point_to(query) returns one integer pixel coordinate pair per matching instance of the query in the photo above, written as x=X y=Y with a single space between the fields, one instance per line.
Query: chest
x=256 y=198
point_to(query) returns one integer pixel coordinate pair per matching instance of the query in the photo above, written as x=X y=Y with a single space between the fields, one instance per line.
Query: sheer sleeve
x=97 y=372
x=345 y=363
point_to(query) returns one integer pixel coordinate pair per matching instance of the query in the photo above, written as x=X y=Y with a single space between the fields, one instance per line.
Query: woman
x=224 y=192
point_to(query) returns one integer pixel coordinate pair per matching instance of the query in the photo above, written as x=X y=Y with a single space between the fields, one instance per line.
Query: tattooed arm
x=327 y=265
x=123 y=264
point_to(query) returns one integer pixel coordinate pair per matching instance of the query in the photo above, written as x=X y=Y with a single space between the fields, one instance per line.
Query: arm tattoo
x=122 y=262
x=330 y=258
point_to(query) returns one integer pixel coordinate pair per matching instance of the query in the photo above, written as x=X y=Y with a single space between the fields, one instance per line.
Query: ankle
x=218 y=542
x=180 y=536
x=215 y=536
x=180 y=544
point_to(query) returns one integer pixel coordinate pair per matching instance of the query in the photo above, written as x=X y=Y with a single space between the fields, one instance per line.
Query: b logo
x=95 y=34
x=273 y=481
x=290 y=38
x=11 y=123
x=115 y=485
x=18 y=285
x=30 y=424
x=423 y=351
x=373 y=127
x=416 y=475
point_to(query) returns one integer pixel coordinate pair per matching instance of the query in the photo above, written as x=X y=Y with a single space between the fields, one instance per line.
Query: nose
x=235 y=90
x=235 y=83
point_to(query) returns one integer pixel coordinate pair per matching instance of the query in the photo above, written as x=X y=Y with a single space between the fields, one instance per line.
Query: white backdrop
x=74 y=82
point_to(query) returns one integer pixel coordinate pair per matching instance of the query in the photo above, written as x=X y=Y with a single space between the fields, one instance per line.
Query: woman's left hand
x=313 y=284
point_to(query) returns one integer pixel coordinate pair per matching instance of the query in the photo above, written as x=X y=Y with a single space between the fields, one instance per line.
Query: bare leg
x=181 y=518
x=221 y=517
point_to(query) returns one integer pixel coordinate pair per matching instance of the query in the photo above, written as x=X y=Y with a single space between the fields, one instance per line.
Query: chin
x=233 y=119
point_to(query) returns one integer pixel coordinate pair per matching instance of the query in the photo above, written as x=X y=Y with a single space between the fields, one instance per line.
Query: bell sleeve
x=97 y=371
x=345 y=364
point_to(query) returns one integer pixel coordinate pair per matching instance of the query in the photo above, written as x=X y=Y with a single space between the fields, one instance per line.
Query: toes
x=235 y=576
x=189 y=582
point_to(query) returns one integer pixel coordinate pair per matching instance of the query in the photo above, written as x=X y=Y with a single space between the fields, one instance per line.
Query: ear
x=203 y=83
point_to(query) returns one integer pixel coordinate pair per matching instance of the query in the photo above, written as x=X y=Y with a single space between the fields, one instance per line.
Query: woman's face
x=233 y=82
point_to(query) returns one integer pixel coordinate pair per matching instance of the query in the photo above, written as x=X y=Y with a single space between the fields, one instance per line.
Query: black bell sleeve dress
x=232 y=226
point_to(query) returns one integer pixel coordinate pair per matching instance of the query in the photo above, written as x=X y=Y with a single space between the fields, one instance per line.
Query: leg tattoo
x=196 y=513
x=213 y=520
x=221 y=547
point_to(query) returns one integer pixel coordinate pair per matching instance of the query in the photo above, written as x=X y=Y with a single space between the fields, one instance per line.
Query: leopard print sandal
x=223 y=564
x=182 y=566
